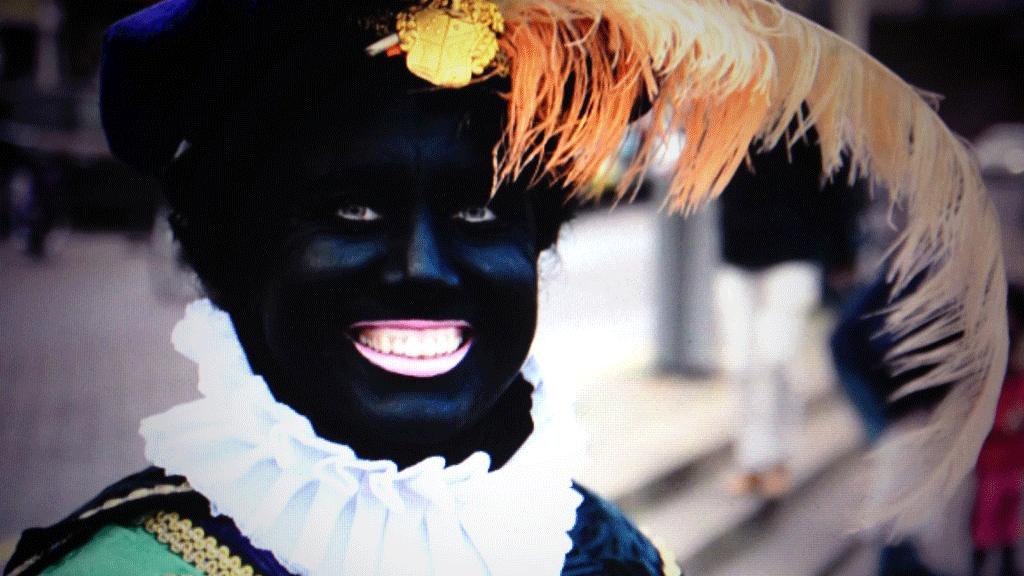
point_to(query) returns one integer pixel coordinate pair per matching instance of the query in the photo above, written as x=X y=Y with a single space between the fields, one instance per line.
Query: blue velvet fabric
x=148 y=60
x=605 y=542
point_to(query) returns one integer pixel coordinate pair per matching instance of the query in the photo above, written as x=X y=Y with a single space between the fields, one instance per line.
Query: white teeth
x=412 y=347
x=423 y=343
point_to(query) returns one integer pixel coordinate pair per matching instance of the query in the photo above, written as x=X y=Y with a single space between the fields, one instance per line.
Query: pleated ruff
x=320 y=509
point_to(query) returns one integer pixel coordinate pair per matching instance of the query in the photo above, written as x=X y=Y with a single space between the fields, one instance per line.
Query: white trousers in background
x=761 y=319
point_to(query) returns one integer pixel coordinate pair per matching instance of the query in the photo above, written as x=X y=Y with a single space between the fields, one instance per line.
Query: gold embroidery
x=193 y=545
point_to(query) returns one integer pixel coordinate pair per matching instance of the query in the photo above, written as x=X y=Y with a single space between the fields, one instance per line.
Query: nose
x=422 y=258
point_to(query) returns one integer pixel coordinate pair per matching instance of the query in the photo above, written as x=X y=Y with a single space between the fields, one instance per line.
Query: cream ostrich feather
x=734 y=72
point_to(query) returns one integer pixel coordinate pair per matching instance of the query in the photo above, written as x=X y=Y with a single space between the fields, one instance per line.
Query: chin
x=428 y=410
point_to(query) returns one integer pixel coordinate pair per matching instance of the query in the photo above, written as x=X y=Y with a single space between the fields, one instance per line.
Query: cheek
x=312 y=282
x=507 y=274
x=324 y=255
x=505 y=282
x=508 y=271
x=321 y=273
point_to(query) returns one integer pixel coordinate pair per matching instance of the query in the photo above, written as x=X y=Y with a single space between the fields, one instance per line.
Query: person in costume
x=364 y=189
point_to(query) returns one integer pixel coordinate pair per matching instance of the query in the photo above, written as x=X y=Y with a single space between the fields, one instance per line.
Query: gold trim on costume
x=669 y=564
x=138 y=494
x=193 y=545
x=28 y=563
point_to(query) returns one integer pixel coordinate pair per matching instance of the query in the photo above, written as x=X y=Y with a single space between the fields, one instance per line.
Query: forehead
x=311 y=123
x=409 y=138
x=399 y=139
x=342 y=107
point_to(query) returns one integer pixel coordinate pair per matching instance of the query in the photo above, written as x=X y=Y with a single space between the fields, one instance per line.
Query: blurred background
x=90 y=288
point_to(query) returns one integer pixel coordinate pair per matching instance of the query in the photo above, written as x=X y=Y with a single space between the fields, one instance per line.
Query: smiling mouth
x=416 y=348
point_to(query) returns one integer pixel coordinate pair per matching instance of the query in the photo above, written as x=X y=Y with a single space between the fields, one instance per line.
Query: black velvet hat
x=172 y=72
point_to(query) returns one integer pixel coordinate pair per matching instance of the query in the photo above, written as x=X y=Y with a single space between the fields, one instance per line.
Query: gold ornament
x=447 y=42
x=192 y=544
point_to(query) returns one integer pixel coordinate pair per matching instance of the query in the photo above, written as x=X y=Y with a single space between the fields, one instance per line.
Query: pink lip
x=412 y=324
x=414 y=367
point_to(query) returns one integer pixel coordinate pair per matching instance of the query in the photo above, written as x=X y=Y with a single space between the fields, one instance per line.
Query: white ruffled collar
x=322 y=510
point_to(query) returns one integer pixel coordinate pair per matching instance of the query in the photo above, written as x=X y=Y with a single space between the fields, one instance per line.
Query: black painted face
x=400 y=301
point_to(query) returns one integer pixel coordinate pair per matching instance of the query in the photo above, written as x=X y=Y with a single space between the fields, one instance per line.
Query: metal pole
x=852 y=20
x=688 y=257
x=48 y=21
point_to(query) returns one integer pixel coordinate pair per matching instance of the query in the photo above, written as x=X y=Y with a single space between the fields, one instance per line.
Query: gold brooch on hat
x=446 y=42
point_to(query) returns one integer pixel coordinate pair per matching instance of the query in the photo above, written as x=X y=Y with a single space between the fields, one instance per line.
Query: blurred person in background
x=859 y=348
x=859 y=345
x=996 y=519
x=31 y=212
x=781 y=229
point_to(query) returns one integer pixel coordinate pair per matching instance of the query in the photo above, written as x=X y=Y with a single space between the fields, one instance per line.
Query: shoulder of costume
x=165 y=506
x=604 y=541
x=120 y=503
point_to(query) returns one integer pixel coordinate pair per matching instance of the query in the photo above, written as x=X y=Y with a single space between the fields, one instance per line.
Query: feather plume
x=730 y=73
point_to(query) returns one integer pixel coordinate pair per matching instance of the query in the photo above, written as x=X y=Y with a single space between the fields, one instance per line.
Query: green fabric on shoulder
x=122 y=551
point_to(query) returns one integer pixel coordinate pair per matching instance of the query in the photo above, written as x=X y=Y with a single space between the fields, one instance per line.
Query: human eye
x=475 y=215
x=357 y=213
